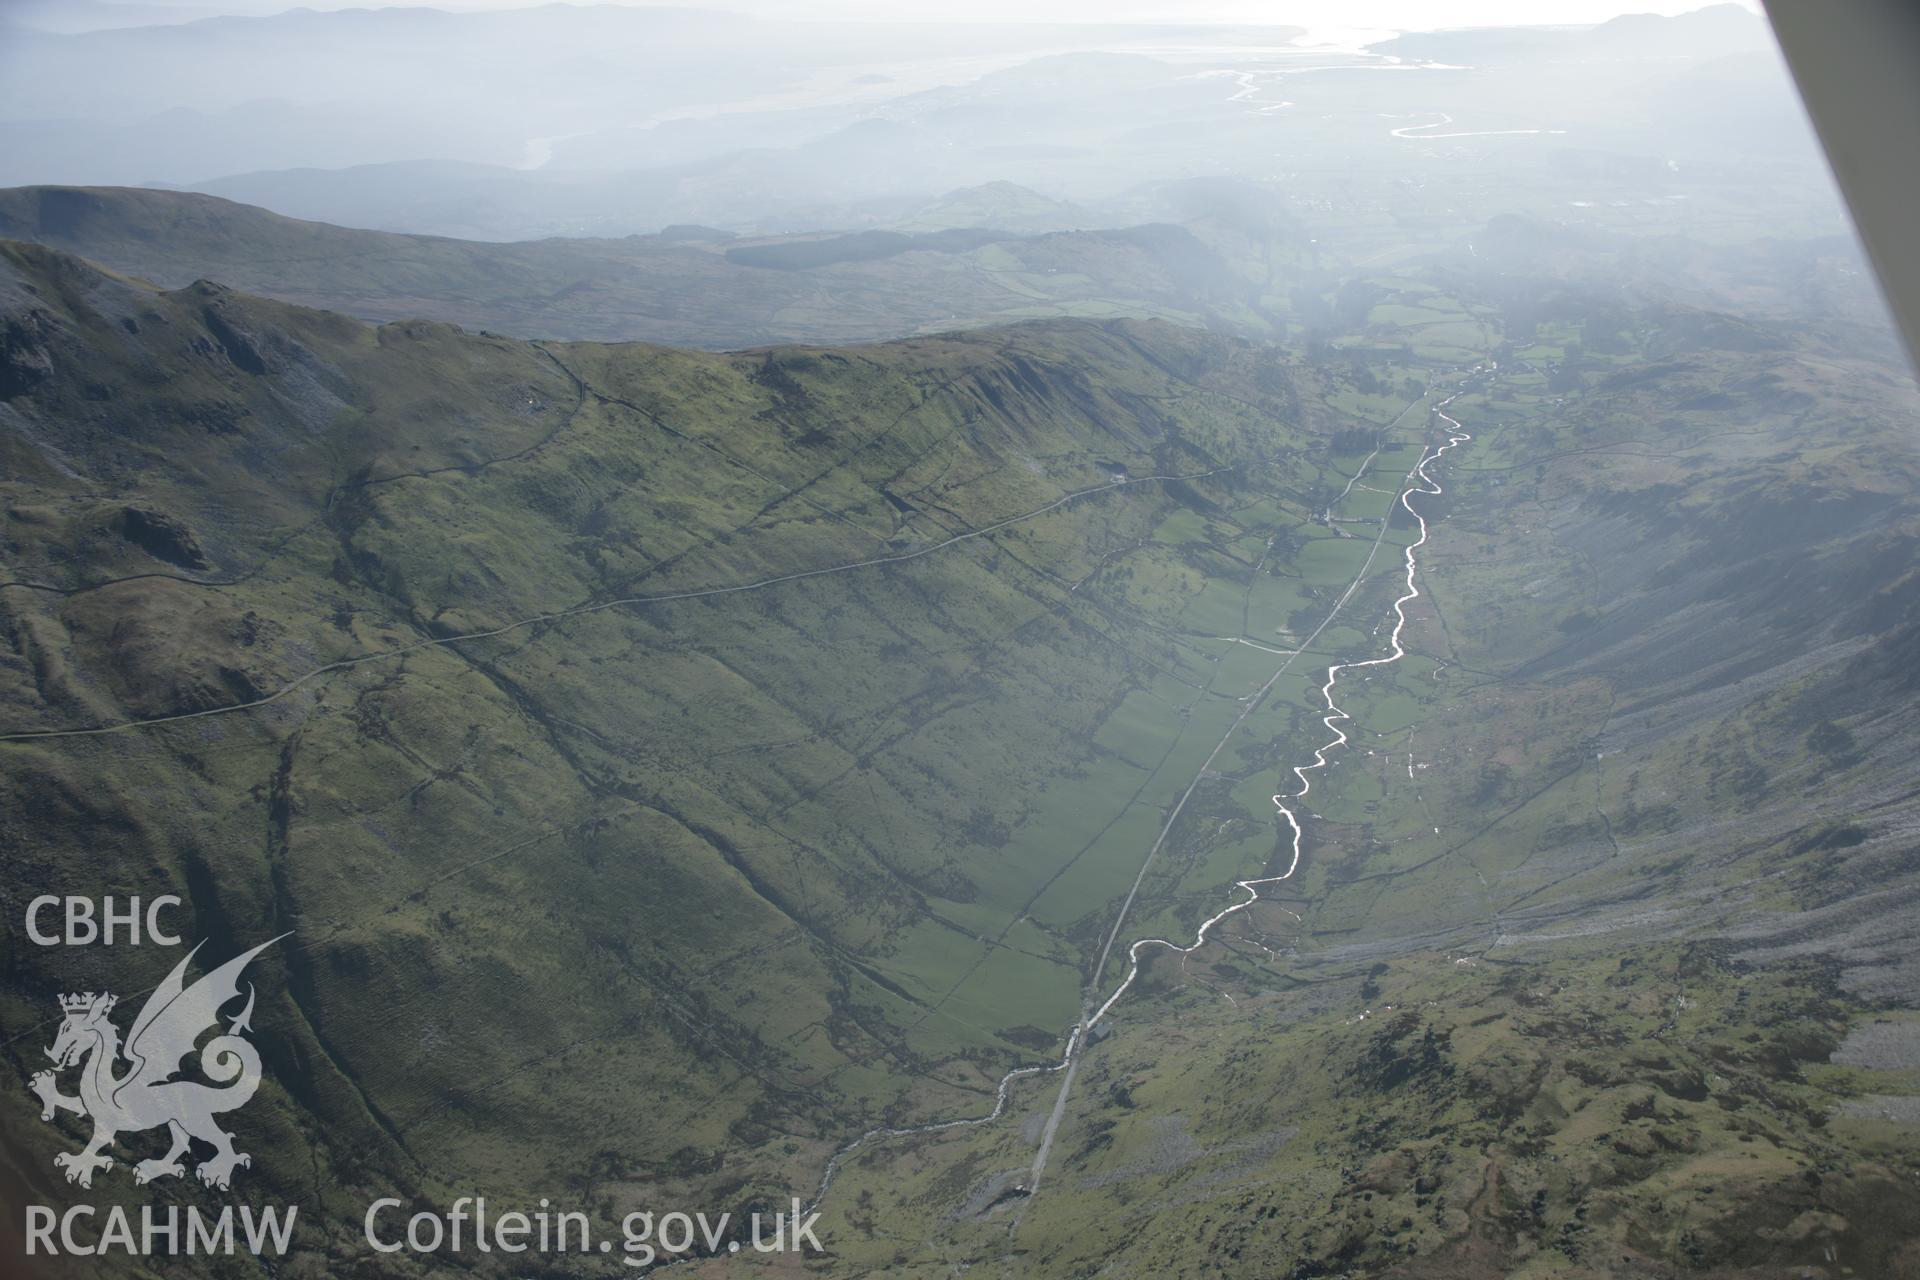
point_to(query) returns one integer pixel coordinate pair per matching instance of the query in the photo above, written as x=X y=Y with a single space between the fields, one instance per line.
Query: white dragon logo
x=147 y=1095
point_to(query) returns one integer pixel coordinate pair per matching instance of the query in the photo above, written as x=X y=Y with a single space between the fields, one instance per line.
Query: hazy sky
x=1419 y=14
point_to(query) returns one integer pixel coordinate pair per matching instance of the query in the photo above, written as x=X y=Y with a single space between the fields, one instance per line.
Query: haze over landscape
x=1219 y=640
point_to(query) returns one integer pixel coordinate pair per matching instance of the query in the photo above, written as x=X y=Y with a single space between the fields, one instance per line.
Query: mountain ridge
x=262 y=532
x=653 y=288
x=774 y=734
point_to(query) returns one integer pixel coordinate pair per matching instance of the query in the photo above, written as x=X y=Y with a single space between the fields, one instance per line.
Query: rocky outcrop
x=25 y=361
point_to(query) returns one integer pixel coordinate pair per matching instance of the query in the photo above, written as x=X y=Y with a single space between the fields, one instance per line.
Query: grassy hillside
x=672 y=765
x=713 y=292
x=1601 y=958
x=765 y=736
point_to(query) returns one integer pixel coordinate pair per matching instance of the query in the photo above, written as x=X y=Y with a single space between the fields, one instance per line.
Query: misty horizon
x=1220 y=641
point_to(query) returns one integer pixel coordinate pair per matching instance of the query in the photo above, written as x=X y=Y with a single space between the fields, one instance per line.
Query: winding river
x=1417 y=481
x=1423 y=131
